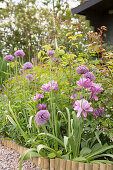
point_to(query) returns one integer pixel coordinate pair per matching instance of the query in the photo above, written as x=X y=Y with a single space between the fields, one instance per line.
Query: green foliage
x=64 y=135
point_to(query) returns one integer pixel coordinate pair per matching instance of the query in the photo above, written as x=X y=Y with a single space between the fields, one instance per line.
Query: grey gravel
x=9 y=160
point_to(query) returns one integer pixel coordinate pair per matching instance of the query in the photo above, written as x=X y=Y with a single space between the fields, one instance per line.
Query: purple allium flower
x=38 y=96
x=41 y=107
x=28 y=65
x=41 y=117
x=82 y=69
x=33 y=60
x=9 y=58
x=98 y=112
x=21 y=70
x=89 y=75
x=19 y=53
x=55 y=59
x=29 y=77
x=50 y=53
x=47 y=87
x=74 y=96
x=82 y=106
x=83 y=82
x=95 y=89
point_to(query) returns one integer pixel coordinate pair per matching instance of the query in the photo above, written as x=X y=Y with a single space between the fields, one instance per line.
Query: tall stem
x=29 y=51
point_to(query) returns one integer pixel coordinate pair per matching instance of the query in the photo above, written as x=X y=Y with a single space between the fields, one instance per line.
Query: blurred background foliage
x=28 y=25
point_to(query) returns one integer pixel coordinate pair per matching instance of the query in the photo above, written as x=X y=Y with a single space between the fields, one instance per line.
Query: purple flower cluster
x=28 y=65
x=9 y=58
x=98 y=112
x=50 y=53
x=42 y=117
x=89 y=75
x=82 y=69
x=55 y=60
x=29 y=77
x=19 y=53
x=95 y=88
x=38 y=96
x=41 y=107
x=21 y=71
x=74 y=96
x=47 y=87
x=87 y=82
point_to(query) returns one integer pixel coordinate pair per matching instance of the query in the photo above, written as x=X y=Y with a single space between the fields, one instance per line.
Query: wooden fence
x=56 y=164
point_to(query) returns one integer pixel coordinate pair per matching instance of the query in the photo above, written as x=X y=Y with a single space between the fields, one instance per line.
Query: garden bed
x=56 y=164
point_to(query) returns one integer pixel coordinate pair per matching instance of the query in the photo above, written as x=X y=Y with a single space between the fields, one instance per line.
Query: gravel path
x=9 y=160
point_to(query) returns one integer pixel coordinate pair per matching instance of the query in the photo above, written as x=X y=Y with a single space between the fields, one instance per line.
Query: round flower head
x=29 y=77
x=98 y=112
x=20 y=71
x=38 y=96
x=41 y=107
x=50 y=53
x=19 y=53
x=89 y=75
x=82 y=106
x=42 y=117
x=9 y=58
x=82 y=69
x=28 y=65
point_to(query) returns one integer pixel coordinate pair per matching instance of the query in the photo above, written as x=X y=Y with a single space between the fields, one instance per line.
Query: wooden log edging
x=56 y=164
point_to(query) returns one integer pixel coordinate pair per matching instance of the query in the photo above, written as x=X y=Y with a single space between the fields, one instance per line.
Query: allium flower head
x=9 y=58
x=29 y=77
x=95 y=89
x=28 y=65
x=55 y=59
x=98 y=112
x=21 y=70
x=42 y=117
x=38 y=96
x=82 y=69
x=83 y=82
x=89 y=75
x=82 y=106
x=50 y=53
x=74 y=96
x=19 y=53
x=41 y=107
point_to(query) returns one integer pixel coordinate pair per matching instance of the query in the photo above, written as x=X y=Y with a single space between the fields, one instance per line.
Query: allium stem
x=51 y=100
x=29 y=52
x=10 y=74
x=16 y=67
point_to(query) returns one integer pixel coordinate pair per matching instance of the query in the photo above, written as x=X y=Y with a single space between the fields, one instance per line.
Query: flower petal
x=84 y=114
